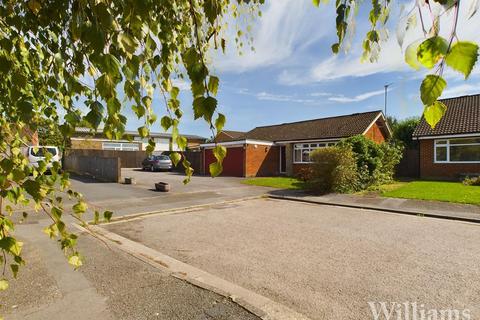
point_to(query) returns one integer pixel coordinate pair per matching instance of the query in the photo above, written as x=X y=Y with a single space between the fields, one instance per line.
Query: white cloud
x=285 y=29
x=391 y=58
x=461 y=90
x=357 y=98
x=281 y=98
x=321 y=94
x=181 y=84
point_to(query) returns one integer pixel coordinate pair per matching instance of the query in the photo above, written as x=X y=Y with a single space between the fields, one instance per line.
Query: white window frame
x=447 y=145
x=121 y=146
x=310 y=148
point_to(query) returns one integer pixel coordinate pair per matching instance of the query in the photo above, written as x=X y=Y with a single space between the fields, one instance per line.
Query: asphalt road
x=325 y=262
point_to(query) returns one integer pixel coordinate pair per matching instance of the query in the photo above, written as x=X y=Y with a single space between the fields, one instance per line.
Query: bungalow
x=285 y=148
x=85 y=139
x=452 y=149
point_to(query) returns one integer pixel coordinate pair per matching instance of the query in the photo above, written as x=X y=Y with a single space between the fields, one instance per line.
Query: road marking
x=257 y=304
x=165 y=212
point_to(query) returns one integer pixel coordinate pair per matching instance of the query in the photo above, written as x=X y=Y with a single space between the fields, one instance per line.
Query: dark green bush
x=334 y=170
x=354 y=164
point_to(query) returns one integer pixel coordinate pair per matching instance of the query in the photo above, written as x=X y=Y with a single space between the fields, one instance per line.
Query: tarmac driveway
x=141 y=197
x=323 y=261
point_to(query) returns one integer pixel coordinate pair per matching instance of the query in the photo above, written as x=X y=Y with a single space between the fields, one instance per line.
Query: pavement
x=111 y=285
x=434 y=209
x=325 y=262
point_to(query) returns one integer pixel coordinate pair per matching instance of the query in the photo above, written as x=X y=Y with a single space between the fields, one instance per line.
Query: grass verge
x=433 y=190
x=276 y=182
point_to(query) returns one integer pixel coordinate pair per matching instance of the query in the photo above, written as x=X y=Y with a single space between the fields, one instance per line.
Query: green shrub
x=334 y=169
x=475 y=181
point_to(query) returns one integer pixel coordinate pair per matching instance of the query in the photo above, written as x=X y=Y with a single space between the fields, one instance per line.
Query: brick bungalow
x=285 y=148
x=452 y=149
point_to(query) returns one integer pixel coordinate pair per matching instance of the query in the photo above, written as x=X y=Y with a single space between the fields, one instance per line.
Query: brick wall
x=86 y=144
x=450 y=171
x=375 y=134
x=262 y=161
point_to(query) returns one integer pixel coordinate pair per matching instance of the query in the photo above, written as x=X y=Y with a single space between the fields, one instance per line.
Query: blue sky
x=292 y=74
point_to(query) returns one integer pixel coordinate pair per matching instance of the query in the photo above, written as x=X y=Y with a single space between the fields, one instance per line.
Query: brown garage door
x=232 y=164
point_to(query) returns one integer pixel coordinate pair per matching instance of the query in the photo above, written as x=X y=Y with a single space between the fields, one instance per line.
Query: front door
x=283 y=159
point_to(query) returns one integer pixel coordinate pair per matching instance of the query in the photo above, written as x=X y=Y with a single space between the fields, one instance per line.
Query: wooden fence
x=409 y=166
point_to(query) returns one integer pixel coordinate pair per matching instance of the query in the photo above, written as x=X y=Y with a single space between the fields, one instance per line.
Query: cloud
x=321 y=94
x=181 y=84
x=281 y=98
x=461 y=90
x=391 y=58
x=284 y=30
x=357 y=98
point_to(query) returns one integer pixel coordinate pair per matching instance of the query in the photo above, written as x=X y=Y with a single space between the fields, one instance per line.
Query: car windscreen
x=40 y=152
x=162 y=158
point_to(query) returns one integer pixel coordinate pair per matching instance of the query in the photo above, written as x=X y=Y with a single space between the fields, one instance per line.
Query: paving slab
x=436 y=209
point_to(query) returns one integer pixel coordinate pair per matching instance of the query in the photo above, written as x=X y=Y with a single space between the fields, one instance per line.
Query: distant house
x=85 y=139
x=452 y=149
x=228 y=135
x=284 y=149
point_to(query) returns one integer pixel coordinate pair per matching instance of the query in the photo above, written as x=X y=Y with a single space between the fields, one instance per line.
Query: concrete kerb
x=257 y=304
x=374 y=208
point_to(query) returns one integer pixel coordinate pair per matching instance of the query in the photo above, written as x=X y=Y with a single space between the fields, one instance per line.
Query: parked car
x=36 y=154
x=154 y=163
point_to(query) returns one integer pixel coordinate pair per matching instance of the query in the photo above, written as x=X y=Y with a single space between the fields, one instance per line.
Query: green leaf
x=213 y=85
x=462 y=57
x=434 y=113
x=80 y=207
x=166 y=122
x=11 y=245
x=411 y=55
x=220 y=122
x=181 y=142
x=432 y=88
x=175 y=157
x=105 y=86
x=75 y=261
x=431 y=51
x=143 y=131
x=107 y=215
x=127 y=43
x=14 y=268
x=3 y=284
x=96 y=217
x=316 y=3
x=220 y=152
x=209 y=106
x=215 y=168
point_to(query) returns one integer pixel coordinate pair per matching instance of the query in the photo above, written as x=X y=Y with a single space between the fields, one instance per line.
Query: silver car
x=155 y=163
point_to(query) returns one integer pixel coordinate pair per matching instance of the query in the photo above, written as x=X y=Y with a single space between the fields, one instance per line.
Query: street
x=320 y=261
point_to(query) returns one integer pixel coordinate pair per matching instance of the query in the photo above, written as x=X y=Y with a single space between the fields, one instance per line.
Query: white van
x=37 y=153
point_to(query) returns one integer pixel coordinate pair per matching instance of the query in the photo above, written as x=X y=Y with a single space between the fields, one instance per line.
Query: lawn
x=433 y=190
x=276 y=182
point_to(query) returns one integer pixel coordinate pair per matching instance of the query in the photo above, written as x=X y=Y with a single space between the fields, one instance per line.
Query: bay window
x=301 y=151
x=457 y=150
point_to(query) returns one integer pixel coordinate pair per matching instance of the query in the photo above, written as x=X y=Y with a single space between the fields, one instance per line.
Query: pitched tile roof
x=234 y=134
x=324 y=128
x=462 y=116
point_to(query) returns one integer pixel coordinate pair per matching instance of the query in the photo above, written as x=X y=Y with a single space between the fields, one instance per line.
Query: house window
x=465 y=150
x=120 y=146
x=301 y=151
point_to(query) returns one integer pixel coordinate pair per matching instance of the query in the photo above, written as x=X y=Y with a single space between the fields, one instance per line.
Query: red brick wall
x=262 y=161
x=375 y=134
x=429 y=169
